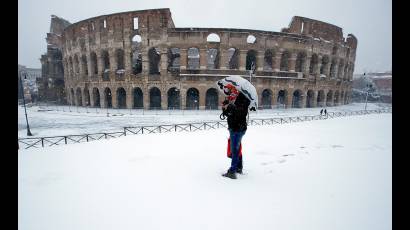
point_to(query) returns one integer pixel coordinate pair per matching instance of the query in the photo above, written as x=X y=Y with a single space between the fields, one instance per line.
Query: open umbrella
x=242 y=85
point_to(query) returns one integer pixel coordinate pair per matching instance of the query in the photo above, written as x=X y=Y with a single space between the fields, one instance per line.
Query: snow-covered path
x=318 y=175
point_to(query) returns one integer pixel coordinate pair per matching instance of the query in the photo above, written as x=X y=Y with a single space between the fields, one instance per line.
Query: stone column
x=127 y=61
x=314 y=101
x=114 y=97
x=164 y=61
x=203 y=59
x=145 y=95
x=242 y=59
x=103 y=103
x=289 y=98
x=100 y=64
x=303 y=97
x=202 y=98
x=129 y=97
x=316 y=71
x=91 y=97
x=260 y=60
x=89 y=66
x=278 y=56
x=292 y=61
x=164 y=98
x=183 y=58
x=223 y=61
x=182 y=95
x=327 y=69
x=307 y=65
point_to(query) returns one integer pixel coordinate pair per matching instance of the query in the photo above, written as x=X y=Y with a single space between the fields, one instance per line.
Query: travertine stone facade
x=139 y=59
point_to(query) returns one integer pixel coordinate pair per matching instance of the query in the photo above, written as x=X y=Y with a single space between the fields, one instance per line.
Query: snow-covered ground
x=318 y=175
x=58 y=120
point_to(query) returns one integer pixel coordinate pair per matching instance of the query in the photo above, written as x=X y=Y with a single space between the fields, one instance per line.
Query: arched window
x=300 y=61
x=154 y=98
x=120 y=59
x=233 y=58
x=282 y=98
x=108 y=98
x=268 y=60
x=329 y=98
x=84 y=64
x=193 y=58
x=284 y=61
x=310 y=99
x=325 y=63
x=213 y=38
x=320 y=98
x=138 y=98
x=314 y=60
x=251 y=60
x=267 y=99
x=212 y=59
x=121 y=98
x=340 y=69
x=106 y=60
x=173 y=59
x=96 y=97
x=336 y=98
x=174 y=98
x=333 y=68
x=192 y=99
x=297 y=99
x=87 y=97
x=154 y=58
x=211 y=99
x=79 y=97
x=94 y=63
x=136 y=56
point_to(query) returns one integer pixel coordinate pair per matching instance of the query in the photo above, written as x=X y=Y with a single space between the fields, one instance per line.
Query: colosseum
x=139 y=59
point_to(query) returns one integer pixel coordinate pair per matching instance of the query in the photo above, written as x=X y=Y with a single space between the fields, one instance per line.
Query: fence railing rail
x=37 y=142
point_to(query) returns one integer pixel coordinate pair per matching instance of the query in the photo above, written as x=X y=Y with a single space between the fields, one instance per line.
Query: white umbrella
x=243 y=86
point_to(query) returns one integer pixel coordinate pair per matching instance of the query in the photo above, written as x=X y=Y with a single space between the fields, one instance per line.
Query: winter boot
x=239 y=171
x=229 y=174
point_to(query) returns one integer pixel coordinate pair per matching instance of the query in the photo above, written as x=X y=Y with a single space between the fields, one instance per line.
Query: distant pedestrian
x=326 y=113
x=321 y=112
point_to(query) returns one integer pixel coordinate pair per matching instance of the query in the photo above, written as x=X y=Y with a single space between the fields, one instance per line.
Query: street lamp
x=24 y=102
x=368 y=87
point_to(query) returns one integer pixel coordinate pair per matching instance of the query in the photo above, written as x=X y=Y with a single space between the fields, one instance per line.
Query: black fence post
x=42 y=142
x=86 y=137
x=65 y=139
x=125 y=132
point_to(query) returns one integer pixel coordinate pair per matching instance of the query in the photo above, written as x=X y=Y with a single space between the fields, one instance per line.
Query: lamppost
x=24 y=102
x=368 y=87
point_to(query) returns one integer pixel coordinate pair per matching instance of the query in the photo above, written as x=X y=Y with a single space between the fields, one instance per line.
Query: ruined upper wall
x=57 y=27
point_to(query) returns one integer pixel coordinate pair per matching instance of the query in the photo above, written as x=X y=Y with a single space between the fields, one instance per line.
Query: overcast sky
x=369 y=20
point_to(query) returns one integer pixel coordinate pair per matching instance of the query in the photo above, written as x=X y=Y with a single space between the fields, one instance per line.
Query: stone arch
x=72 y=97
x=121 y=98
x=213 y=37
x=174 y=98
x=336 y=98
x=297 y=99
x=325 y=64
x=333 y=68
x=314 y=61
x=136 y=56
x=174 y=56
x=329 y=98
x=105 y=60
x=154 y=58
x=192 y=98
x=281 y=100
x=154 y=98
x=94 y=63
x=87 y=99
x=108 y=98
x=320 y=98
x=342 y=95
x=251 y=60
x=96 y=97
x=136 y=39
x=284 y=61
x=266 y=99
x=251 y=39
x=84 y=64
x=79 y=97
x=268 y=59
x=119 y=55
x=212 y=57
x=300 y=61
x=193 y=58
x=340 y=68
x=233 y=58
x=211 y=99
x=310 y=98
x=138 y=98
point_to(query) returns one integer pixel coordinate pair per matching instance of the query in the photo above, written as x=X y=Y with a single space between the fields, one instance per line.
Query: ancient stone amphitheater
x=139 y=59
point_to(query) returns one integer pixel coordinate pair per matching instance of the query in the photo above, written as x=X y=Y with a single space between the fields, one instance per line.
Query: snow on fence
x=36 y=142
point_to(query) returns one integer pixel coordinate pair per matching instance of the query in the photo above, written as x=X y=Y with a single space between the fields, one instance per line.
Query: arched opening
x=154 y=57
x=72 y=97
x=108 y=98
x=77 y=64
x=84 y=64
x=267 y=99
x=106 y=60
x=340 y=69
x=300 y=62
x=173 y=59
x=193 y=58
x=121 y=98
x=154 y=98
x=213 y=38
x=94 y=63
x=87 y=97
x=251 y=60
x=120 y=59
x=268 y=60
x=333 y=68
x=136 y=56
x=284 y=61
x=282 y=98
x=310 y=97
x=336 y=98
x=192 y=99
x=320 y=98
x=342 y=95
x=96 y=97
x=212 y=59
x=79 y=97
x=138 y=98
x=174 y=98
x=233 y=58
x=314 y=60
x=325 y=64
x=211 y=99
x=297 y=99
x=251 y=39
x=329 y=98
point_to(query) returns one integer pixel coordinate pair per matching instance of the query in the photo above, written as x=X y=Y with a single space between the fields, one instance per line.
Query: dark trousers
x=236 y=138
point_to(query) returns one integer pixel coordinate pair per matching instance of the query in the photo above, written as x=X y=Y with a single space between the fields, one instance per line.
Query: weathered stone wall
x=316 y=61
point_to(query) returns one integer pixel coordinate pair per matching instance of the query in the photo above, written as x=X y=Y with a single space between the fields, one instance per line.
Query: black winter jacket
x=236 y=113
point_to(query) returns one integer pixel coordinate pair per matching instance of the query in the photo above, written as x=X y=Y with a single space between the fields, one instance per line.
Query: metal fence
x=36 y=142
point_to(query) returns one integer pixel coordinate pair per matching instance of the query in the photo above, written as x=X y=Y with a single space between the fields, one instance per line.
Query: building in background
x=379 y=86
x=51 y=83
x=29 y=77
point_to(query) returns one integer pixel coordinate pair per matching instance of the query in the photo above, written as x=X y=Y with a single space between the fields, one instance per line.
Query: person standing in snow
x=321 y=112
x=235 y=108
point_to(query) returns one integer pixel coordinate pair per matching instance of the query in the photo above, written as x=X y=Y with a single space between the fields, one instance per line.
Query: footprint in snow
x=281 y=160
x=291 y=154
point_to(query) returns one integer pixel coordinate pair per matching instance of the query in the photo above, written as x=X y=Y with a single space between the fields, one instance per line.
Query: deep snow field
x=333 y=174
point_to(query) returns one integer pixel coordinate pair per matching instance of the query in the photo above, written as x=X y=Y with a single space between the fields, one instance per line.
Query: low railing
x=36 y=142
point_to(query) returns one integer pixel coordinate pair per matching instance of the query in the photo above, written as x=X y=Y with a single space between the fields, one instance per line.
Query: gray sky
x=369 y=20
